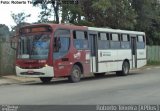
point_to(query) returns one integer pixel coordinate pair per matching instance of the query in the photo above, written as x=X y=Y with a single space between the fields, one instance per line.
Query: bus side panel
x=141 y=58
x=82 y=57
x=112 y=60
x=123 y=54
x=86 y=63
x=106 y=60
x=61 y=67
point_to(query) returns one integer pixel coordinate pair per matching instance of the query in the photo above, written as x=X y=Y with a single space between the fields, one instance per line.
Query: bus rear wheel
x=46 y=79
x=125 y=69
x=75 y=74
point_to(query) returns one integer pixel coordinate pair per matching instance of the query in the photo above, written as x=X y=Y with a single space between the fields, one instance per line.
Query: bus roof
x=70 y=26
x=67 y=26
x=115 y=30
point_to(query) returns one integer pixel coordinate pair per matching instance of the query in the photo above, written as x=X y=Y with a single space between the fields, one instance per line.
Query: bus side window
x=125 y=41
x=140 y=42
x=61 y=43
x=115 y=41
x=103 y=41
x=80 y=40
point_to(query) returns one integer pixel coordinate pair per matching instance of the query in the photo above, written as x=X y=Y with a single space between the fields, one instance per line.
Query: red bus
x=50 y=51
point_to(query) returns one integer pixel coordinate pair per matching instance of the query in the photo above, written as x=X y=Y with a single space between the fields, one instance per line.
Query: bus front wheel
x=46 y=79
x=75 y=74
x=125 y=69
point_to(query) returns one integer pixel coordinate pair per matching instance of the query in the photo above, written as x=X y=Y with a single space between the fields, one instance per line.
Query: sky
x=8 y=6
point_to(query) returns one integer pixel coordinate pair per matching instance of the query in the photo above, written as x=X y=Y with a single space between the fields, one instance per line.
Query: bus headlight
x=46 y=65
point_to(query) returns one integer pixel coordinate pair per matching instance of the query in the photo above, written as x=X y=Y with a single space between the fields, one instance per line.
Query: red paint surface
x=61 y=68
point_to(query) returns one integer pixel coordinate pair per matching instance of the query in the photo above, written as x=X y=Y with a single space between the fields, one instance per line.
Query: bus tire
x=125 y=69
x=75 y=74
x=46 y=79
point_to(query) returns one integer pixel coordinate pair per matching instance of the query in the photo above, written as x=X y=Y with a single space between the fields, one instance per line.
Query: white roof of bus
x=115 y=30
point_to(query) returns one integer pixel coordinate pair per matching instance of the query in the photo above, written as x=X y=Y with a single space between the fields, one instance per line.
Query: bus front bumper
x=42 y=72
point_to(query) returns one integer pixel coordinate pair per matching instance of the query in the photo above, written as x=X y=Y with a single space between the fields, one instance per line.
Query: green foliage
x=120 y=14
x=45 y=14
x=140 y=15
x=148 y=19
x=19 y=18
x=84 y=23
x=101 y=13
x=55 y=5
x=71 y=13
x=102 y=5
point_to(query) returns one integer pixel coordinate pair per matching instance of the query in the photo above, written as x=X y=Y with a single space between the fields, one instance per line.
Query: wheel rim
x=125 y=68
x=76 y=74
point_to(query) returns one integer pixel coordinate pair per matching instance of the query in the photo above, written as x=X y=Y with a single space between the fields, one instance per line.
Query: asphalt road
x=140 y=87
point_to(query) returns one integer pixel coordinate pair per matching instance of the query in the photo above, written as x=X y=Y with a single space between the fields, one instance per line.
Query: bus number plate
x=30 y=72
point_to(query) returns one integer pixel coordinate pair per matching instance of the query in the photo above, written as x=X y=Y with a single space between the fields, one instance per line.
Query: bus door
x=134 y=51
x=94 y=51
x=61 y=44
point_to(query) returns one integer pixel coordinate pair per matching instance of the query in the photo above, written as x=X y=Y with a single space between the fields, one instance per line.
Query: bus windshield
x=34 y=47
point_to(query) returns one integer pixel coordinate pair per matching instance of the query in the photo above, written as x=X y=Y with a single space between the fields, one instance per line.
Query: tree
x=121 y=15
x=71 y=13
x=110 y=13
x=55 y=5
x=140 y=15
x=45 y=14
x=20 y=17
x=148 y=19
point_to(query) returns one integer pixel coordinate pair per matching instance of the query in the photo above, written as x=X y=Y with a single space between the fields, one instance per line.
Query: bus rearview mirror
x=13 y=43
x=57 y=44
